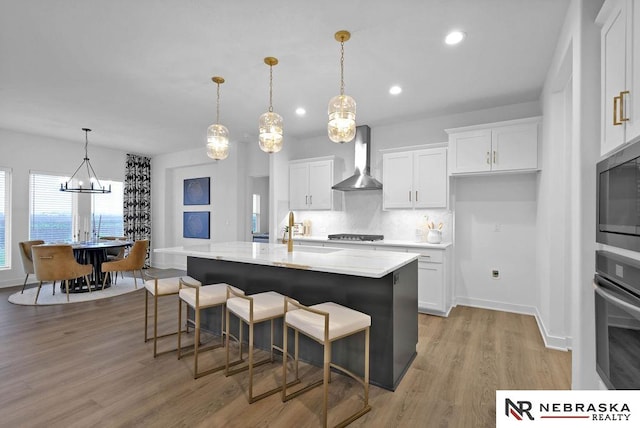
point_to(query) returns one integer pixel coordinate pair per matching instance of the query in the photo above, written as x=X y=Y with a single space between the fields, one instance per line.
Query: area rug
x=124 y=285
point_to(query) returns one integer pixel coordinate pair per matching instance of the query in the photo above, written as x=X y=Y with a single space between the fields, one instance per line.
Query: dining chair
x=57 y=263
x=132 y=263
x=27 y=260
x=115 y=253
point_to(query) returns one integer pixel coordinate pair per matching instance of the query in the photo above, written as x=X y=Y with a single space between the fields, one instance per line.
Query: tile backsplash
x=362 y=213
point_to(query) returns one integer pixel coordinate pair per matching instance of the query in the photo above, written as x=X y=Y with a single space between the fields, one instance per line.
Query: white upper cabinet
x=310 y=184
x=415 y=179
x=620 y=73
x=495 y=147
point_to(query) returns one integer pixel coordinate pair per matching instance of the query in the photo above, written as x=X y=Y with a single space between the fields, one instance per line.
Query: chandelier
x=217 y=135
x=342 y=108
x=270 y=125
x=92 y=185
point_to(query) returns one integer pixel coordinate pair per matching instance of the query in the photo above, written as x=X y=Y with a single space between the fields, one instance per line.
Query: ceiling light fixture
x=342 y=108
x=76 y=185
x=395 y=90
x=217 y=135
x=300 y=111
x=271 y=124
x=454 y=37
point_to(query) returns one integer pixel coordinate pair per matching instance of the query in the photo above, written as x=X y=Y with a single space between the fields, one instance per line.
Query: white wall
x=495 y=228
x=230 y=208
x=23 y=153
x=567 y=189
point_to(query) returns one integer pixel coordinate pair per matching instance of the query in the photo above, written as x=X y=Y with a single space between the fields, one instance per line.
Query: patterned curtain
x=137 y=199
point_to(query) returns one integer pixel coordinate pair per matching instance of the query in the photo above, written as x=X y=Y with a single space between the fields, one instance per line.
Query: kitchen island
x=382 y=284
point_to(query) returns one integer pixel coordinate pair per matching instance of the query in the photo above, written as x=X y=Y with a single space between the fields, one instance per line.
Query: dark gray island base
x=391 y=301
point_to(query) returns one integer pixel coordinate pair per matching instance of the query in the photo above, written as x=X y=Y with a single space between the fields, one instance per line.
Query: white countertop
x=367 y=263
x=384 y=242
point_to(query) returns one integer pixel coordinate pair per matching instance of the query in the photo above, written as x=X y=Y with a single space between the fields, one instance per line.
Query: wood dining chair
x=57 y=263
x=27 y=260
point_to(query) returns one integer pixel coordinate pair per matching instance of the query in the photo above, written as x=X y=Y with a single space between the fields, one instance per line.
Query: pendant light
x=342 y=108
x=270 y=125
x=217 y=135
x=77 y=184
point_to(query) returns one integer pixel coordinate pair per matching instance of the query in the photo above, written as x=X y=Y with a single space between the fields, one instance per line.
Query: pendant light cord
x=270 y=88
x=218 y=105
x=342 y=67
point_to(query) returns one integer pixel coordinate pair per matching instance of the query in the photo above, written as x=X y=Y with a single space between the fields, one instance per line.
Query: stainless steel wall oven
x=618 y=196
x=617 y=308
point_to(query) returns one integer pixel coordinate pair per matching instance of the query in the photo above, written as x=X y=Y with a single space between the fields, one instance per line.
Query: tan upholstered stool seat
x=167 y=286
x=342 y=321
x=210 y=295
x=265 y=305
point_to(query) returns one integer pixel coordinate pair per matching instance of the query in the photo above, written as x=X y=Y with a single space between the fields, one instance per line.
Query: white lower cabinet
x=435 y=294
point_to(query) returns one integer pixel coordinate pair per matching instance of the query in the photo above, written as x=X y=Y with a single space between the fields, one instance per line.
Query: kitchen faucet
x=290 y=241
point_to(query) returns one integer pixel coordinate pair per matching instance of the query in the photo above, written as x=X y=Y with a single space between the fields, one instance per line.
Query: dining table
x=94 y=253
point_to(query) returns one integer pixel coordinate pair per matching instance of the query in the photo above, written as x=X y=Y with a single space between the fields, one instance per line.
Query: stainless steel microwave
x=618 y=199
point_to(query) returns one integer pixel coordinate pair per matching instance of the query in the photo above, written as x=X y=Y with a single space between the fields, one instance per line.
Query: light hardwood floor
x=86 y=365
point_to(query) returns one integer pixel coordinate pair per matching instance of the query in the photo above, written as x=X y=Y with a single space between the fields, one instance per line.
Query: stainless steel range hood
x=361 y=179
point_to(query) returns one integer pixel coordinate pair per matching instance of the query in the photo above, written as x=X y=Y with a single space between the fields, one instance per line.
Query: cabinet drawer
x=431 y=256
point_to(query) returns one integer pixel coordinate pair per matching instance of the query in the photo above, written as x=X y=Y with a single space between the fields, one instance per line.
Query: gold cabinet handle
x=488 y=158
x=494 y=157
x=622 y=118
x=616 y=102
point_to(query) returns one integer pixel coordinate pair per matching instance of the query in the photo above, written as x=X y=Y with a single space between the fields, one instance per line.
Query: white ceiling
x=138 y=71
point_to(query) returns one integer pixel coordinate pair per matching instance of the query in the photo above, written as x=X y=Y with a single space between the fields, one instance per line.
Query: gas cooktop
x=355 y=237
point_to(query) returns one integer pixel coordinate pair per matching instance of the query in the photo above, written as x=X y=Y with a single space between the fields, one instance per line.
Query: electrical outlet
x=497 y=227
x=495 y=274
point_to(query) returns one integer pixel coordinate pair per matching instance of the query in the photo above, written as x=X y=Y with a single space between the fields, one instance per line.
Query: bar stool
x=159 y=288
x=252 y=310
x=198 y=298
x=325 y=323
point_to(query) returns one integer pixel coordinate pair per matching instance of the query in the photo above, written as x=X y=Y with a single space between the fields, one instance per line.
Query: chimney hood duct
x=361 y=179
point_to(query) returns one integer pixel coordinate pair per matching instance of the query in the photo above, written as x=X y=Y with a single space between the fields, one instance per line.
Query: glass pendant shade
x=217 y=142
x=270 y=129
x=270 y=124
x=342 y=119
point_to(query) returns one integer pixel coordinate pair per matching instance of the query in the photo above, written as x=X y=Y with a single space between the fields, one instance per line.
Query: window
x=5 y=187
x=51 y=211
x=108 y=208
x=255 y=215
x=62 y=216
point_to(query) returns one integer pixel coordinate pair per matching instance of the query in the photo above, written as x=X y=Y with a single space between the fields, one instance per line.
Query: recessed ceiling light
x=395 y=90
x=301 y=111
x=454 y=37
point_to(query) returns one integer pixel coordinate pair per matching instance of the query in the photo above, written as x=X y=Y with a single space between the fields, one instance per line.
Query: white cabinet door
x=470 y=151
x=310 y=185
x=397 y=180
x=298 y=186
x=430 y=178
x=514 y=147
x=431 y=293
x=415 y=179
x=632 y=108
x=620 y=73
x=494 y=147
x=320 y=182
x=613 y=39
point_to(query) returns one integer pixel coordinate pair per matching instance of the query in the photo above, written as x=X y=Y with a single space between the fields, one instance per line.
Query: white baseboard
x=560 y=343
x=550 y=341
